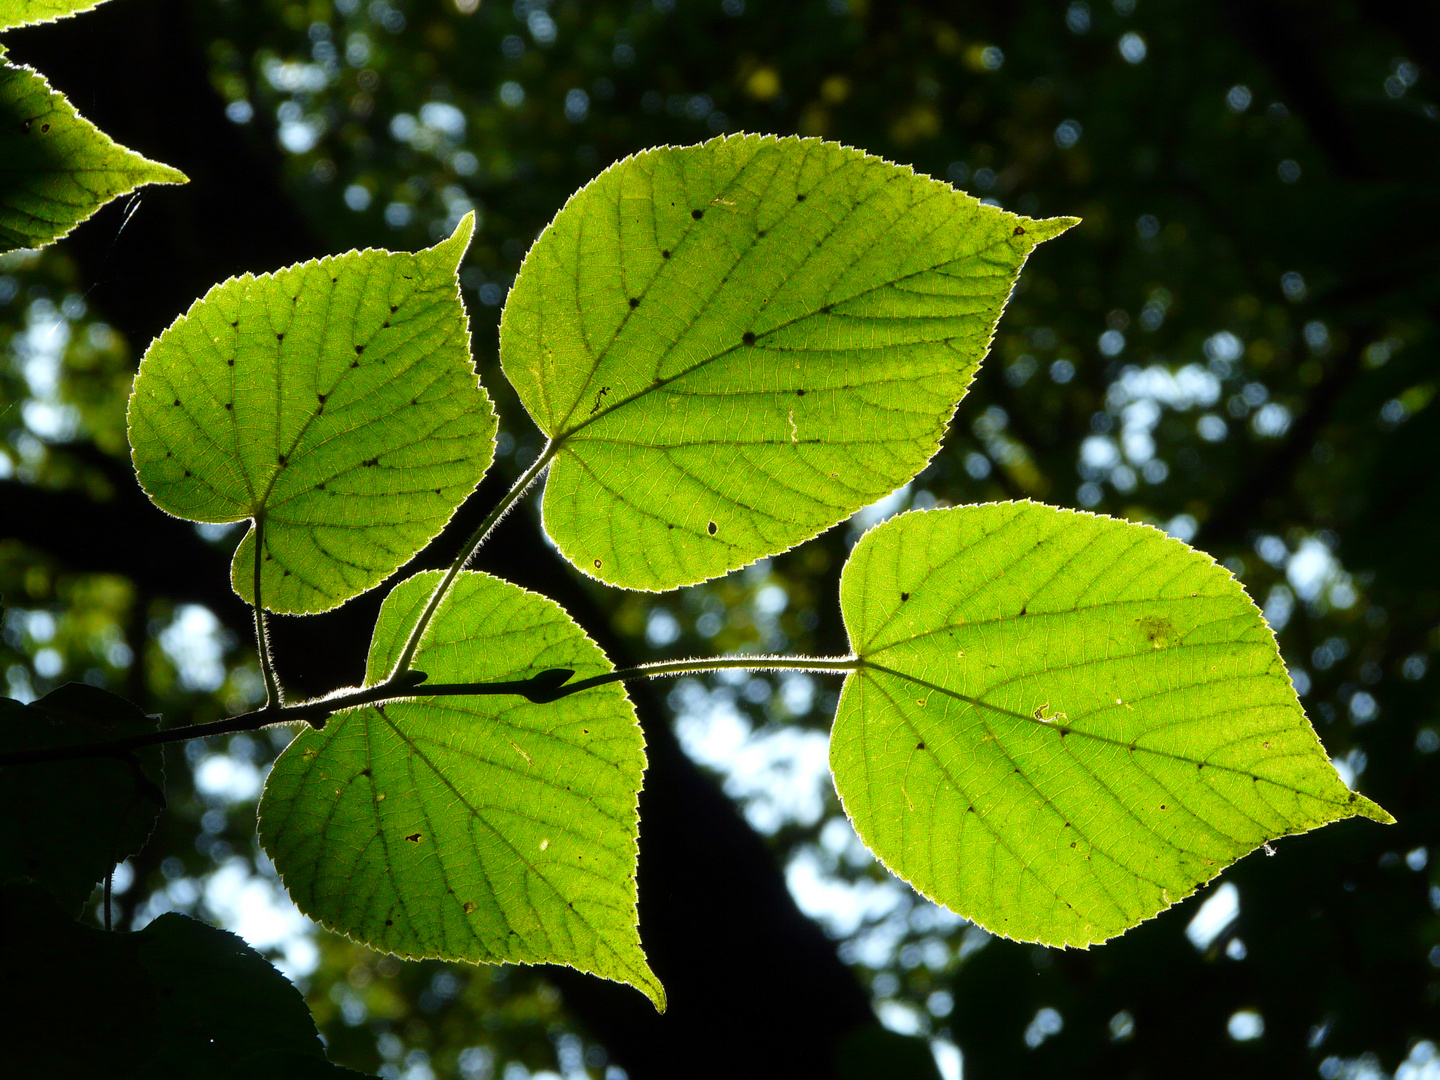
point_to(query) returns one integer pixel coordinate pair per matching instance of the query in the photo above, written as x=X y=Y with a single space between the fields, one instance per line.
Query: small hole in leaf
x=321 y=485
x=634 y=302
x=354 y=363
x=697 y=214
x=920 y=745
x=800 y=197
x=235 y=323
x=712 y=528
x=597 y=564
x=279 y=337
x=799 y=393
x=229 y=407
x=359 y=349
x=230 y=362
x=385 y=325
x=664 y=254
x=44 y=128
x=393 y=309
x=322 y=398
x=281 y=459
x=748 y=338
x=904 y=596
x=389 y=922
x=437 y=491
x=1019 y=230
x=414 y=838
x=187 y=472
x=177 y=403
x=761 y=234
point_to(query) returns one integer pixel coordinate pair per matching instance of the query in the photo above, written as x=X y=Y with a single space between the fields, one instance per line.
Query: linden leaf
x=57 y=168
x=334 y=401
x=1062 y=724
x=480 y=828
x=734 y=346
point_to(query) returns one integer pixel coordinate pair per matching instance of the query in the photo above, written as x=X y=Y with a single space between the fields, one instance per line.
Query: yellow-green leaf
x=336 y=401
x=1063 y=724
x=734 y=346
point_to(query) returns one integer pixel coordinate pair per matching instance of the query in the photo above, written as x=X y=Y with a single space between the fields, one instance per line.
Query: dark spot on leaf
x=1072 y=843
x=231 y=361
x=414 y=838
x=385 y=325
x=1067 y=825
x=334 y=281
x=371 y=463
x=761 y=234
x=285 y=574
x=187 y=472
x=229 y=407
x=322 y=398
x=713 y=528
x=748 y=338
x=282 y=460
x=177 y=402
x=169 y=453
x=359 y=349
x=389 y=922
x=235 y=323
x=364 y=772
x=664 y=254
x=634 y=302
x=1352 y=797
x=1019 y=230
x=279 y=337
x=1199 y=765
x=1024 y=608
x=920 y=745
x=904 y=596
x=414 y=401
x=971 y=809
x=697 y=214
x=1162 y=806
x=800 y=393
x=437 y=491
x=321 y=485
x=1064 y=731
x=827 y=308
x=799 y=197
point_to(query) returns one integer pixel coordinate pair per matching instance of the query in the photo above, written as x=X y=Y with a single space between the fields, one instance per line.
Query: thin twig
x=468 y=550
x=541 y=688
x=273 y=698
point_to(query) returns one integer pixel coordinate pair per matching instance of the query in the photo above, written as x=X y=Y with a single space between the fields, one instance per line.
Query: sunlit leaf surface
x=15 y=13
x=57 y=168
x=737 y=345
x=481 y=828
x=1065 y=723
x=336 y=400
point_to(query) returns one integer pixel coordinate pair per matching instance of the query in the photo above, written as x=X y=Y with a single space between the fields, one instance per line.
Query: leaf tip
x=454 y=247
x=1363 y=807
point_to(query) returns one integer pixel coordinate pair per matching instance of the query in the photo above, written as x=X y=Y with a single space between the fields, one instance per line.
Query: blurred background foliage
x=1238 y=345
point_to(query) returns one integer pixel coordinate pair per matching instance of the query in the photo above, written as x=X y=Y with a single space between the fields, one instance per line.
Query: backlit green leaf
x=15 y=13
x=1065 y=723
x=57 y=168
x=736 y=345
x=72 y=821
x=335 y=399
x=472 y=828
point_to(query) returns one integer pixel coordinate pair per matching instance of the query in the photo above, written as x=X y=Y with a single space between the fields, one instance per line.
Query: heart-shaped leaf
x=482 y=828
x=335 y=402
x=57 y=168
x=1063 y=724
x=734 y=346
